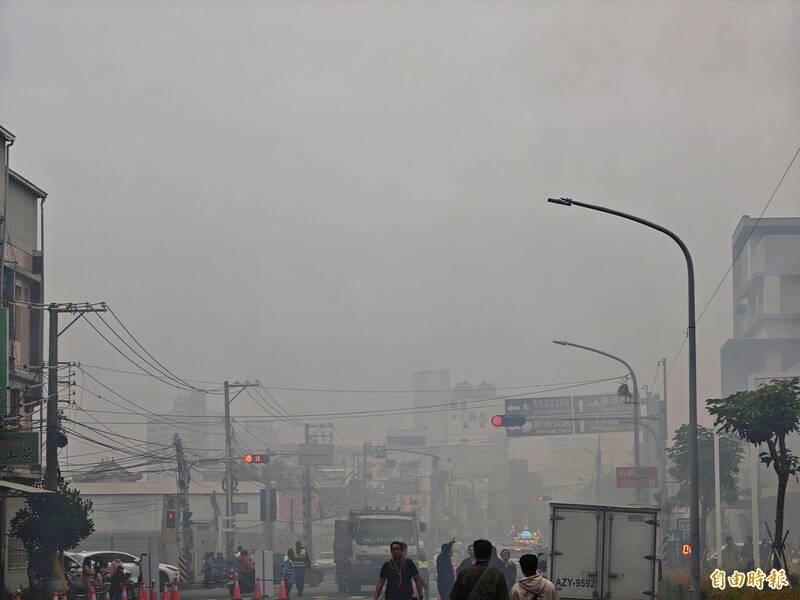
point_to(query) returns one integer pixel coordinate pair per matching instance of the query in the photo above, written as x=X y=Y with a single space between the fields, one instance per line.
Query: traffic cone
x=143 y=595
x=165 y=594
x=175 y=593
x=55 y=595
x=257 y=591
x=282 y=595
x=18 y=596
x=237 y=593
x=124 y=592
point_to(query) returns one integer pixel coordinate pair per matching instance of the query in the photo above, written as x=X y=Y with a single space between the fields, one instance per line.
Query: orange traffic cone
x=237 y=593
x=165 y=594
x=18 y=596
x=124 y=592
x=143 y=595
x=257 y=591
x=282 y=595
x=55 y=595
x=175 y=593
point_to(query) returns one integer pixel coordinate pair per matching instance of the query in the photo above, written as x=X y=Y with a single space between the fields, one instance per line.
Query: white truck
x=361 y=544
x=603 y=552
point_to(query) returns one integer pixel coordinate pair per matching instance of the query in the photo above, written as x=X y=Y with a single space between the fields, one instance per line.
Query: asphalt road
x=327 y=590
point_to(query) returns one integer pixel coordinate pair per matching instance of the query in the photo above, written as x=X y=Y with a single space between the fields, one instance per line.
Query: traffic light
x=407 y=502
x=187 y=518
x=508 y=420
x=545 y=498
x=257 y=459
x=170 y=519
x=686 y=550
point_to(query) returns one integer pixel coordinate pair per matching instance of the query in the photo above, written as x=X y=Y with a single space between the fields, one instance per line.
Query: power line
x=736 y=257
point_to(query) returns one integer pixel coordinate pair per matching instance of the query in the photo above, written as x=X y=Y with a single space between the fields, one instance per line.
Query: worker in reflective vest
x=300 y=562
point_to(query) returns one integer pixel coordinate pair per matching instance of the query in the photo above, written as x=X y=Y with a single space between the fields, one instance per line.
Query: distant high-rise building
x=766 y=302
x=202 y=431
x=431 y=398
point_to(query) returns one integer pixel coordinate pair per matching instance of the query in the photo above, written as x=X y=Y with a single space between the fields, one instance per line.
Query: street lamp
x=694 y=470
x=636 y=409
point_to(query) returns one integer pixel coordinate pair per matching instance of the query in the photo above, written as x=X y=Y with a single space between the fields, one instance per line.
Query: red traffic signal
x=171 y=519
x=407 y=502
x=545 y=498
x=508 y=420
x=259 y=459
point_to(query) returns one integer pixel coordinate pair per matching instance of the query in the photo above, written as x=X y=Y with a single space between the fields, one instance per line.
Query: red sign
x=648 y=477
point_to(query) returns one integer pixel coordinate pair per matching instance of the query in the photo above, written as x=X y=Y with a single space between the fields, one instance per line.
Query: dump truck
x=607 y=552
x=361 y=544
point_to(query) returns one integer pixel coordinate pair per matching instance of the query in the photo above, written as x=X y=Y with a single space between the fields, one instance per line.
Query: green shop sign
x=19 y=448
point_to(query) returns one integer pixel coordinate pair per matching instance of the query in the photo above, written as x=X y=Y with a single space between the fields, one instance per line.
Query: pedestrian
x=246 y=572
x=117 y=581
x=397 y=574
x=87 y=575
x=495 y=561
x=300 y=562
x=509 y=569
x=445 y=577
x=731 y=556
x=480 y=581
x=468 y=561
x=287 y=572
x=532 y=586
x=747 y=553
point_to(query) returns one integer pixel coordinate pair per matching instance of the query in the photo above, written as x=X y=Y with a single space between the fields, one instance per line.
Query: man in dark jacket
x=468 y=560
x=444 y=571
x=509 y=569
x=480 y=581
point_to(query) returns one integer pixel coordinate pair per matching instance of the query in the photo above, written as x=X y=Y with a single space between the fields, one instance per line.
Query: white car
x=129 y=562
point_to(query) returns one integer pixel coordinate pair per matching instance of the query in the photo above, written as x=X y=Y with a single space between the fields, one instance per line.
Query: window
x=240 y=508
x=16 y=554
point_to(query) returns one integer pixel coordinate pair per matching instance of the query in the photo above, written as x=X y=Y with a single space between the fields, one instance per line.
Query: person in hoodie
x=532 y=586
x=481 y=581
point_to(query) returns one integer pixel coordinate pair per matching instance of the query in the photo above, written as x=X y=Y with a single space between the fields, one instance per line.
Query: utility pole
x=664 y=436
x=307 y=534
x=53 y=422
x=185 y=535
x=268 y=526
x=229 y=523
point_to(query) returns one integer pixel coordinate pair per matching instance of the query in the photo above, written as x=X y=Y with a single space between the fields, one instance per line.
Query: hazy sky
x=340 y=193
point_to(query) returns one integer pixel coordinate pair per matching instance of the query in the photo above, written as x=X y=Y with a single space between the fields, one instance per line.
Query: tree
x=766 y=416
x=730 y=455
x=49 y=524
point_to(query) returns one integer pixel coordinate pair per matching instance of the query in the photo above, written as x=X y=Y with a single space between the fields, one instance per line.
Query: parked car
x=129 y=562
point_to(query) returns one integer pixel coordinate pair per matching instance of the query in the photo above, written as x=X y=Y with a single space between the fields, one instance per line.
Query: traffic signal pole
x=229 y=520
x=184 y=523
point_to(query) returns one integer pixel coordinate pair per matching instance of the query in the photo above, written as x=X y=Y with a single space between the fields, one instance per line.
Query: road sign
x=19 y=448
x=606 y=406
x=315 y=454
x=648 y=477
x=543 y=416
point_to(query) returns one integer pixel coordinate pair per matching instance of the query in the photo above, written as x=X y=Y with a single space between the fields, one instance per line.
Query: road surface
x=326 y=591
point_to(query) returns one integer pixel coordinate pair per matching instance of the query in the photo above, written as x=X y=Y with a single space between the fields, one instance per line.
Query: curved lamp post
x=694 y=471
